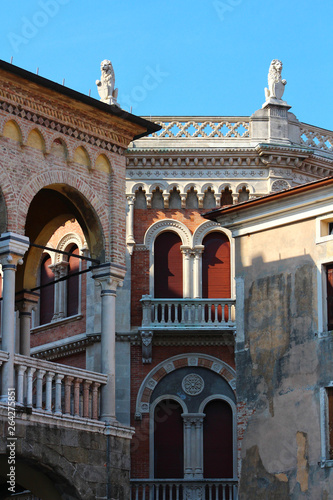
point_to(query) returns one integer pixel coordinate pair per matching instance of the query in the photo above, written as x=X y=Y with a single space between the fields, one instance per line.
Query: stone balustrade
x=177 y=489
x=188 y=313
x=56 y=389
x=227 y=128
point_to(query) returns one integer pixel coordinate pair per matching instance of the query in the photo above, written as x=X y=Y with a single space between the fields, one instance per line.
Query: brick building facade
x=138 y=205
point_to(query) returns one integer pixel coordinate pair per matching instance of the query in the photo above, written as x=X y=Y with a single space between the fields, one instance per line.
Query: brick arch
x=173 y=363
x=9 y=197
x=53 y=177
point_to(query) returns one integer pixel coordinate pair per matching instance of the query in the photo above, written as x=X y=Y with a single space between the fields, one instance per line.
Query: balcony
x=187 y=314
x=178 y=489
x=50 y=391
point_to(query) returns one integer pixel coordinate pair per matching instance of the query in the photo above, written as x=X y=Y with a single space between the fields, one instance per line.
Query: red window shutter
x=47 y=293
x=168 y=266
x=216 y=267
x=218 y=440
x=73 y=283
x=168 y=440
x=329 y=270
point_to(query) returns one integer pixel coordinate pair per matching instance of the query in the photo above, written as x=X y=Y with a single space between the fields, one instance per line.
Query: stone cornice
x=51 y=352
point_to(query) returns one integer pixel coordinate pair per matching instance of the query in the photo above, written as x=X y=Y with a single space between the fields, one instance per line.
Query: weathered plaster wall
x=281 y=364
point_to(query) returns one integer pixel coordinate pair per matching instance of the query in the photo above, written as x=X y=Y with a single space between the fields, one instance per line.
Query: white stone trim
x=319 y=222
x=68 y=239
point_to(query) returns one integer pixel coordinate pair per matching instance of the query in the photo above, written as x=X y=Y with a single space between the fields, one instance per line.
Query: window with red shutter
x=168 y=266
x=168 y=440
x=218 y=440
x=216 y=267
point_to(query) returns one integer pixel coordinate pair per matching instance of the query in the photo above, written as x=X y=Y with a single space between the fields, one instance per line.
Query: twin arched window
x=168 y=266
x=217 y=440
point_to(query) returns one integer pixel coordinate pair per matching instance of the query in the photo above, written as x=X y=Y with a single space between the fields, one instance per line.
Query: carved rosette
x=193 y=384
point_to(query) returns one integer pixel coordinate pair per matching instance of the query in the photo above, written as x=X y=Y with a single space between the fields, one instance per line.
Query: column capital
x=198 y=250
x=130 y=199
x=25 y=301
x=12 y=248
x=186 y=250
x=109 y=276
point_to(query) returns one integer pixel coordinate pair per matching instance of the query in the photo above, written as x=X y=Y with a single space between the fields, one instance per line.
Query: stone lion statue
x=105 y=85
x=275 y=83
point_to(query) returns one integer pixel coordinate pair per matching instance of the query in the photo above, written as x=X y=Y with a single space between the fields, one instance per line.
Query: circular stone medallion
x=193 y=384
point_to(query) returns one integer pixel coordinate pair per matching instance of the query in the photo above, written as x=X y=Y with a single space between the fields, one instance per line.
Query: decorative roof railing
x=316 y=137
x=182 y=127
x=230 y=128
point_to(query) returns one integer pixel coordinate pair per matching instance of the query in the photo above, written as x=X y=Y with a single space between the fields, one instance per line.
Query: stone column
x=193 y=445
x=25 y=303
x=109 y=276
x=130 y=241
x=187 y=271
x=197 y=271
x=60 y=271
x=12 y=248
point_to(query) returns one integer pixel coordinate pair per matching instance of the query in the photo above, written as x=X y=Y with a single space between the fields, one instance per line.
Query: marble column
x=197 y=271
x=12 y=249
x=130 y=241
x=60 y=271
x=109 y=276
x=187 y=271
x=193 y=445
x=25 y=303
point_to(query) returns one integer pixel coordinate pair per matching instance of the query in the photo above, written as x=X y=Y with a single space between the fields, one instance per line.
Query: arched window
x=73 y=282
x=46 y=294
x=216 y=266
x=168 y=266
x=168 y=440
x=218 y=440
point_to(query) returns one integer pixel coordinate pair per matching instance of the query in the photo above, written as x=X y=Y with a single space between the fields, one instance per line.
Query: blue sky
x=180 y=57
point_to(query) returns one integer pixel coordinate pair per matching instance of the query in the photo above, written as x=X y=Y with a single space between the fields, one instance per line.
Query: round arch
x=167 y=225
x=181 y=360
x=63 y=202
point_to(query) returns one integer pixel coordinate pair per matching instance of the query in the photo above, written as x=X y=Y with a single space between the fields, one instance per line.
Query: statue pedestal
x=274 y=123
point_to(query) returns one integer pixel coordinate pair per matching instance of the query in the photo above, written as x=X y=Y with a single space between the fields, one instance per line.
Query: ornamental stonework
x=193 y=384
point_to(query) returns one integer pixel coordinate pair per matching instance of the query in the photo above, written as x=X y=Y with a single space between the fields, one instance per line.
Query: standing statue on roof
x=275 y=83
x=105 y=85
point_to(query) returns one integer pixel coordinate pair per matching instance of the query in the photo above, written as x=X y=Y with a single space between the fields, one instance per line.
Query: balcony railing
x=54 y=389
x=177 y=489
x=188 y=313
